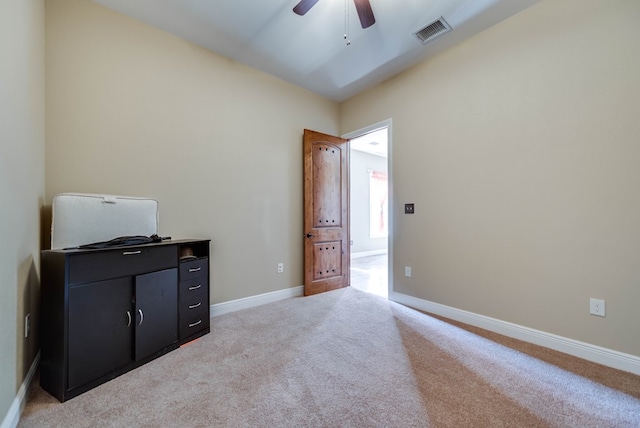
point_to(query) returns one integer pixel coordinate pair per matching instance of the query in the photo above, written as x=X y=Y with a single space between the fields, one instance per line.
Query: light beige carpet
x=342 y=359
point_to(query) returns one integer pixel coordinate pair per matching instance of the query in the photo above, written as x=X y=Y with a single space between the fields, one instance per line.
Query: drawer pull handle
x=141 y=316
x=195 y=269
x=131 y=253
x=195 y=323
x=195 y=288
x=128 y=319
x=195 y=306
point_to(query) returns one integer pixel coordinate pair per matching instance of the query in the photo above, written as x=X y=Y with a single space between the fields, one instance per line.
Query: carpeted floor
x=344 y=358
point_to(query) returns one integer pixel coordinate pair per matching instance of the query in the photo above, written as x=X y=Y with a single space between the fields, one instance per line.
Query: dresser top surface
x=119 y=247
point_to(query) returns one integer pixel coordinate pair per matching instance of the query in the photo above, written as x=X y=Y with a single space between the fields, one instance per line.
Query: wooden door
x=326 y=212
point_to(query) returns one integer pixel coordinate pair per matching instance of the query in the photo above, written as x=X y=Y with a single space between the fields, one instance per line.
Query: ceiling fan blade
x=365 y=13
x=304 y=6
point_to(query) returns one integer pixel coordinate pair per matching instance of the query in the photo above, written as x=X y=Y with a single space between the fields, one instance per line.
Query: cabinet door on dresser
x=100 y=333
x=155 y=311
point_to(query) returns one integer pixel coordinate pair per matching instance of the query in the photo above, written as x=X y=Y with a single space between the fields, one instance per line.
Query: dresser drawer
x=193 y=323
x=116 y=263
x=194 y=269
x=187 y=289
x=195 y=302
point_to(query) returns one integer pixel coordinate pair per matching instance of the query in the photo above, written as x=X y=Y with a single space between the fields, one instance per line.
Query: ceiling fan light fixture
x=433 y=30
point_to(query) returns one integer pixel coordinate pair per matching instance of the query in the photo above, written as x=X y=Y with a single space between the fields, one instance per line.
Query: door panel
x=100 y=332
x=326 y=212
x=327 y=258
x=156 y=311
x=327 y=174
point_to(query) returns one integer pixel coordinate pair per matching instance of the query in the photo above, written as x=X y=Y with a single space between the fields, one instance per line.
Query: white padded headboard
x=79 y=219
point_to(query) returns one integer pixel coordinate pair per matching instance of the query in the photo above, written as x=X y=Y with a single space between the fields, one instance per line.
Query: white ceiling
x=375 y=142
x=310 y=50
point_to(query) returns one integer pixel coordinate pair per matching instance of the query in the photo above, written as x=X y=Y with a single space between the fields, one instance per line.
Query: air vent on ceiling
x=433 y=30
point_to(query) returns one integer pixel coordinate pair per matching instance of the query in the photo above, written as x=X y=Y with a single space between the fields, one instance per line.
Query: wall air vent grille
x=433 y=30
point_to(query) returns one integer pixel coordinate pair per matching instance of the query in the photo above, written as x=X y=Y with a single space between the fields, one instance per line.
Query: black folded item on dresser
x=121 y=241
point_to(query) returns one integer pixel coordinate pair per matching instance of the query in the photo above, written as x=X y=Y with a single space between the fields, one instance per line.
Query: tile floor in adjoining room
x=370 y=274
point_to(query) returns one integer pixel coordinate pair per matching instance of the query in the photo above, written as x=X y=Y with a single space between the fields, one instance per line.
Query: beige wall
x=136 y=111
x=21 y=186
x=520 y=150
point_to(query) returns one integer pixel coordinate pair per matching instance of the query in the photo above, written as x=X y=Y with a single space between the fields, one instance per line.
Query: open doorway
x=369 y=176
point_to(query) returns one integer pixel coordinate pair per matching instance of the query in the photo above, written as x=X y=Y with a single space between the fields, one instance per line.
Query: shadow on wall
x=28 y=305
x=46 y=216
x=28 y=301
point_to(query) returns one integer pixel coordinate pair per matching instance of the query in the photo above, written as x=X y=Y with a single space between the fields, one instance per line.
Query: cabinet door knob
x=195 y=269
x=195 y=306
x=195 y=288
x=195 y=323
x=131 y=253
x=128 y=319
x=141 y=316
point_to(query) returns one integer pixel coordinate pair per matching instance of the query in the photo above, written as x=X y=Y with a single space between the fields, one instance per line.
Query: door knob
x=309 y=235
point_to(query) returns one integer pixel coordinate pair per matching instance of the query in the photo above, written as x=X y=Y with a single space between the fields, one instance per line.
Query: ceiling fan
x=362 y=6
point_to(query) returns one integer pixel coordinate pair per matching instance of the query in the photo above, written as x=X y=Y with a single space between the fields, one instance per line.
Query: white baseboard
x=252 y=301
x=597 y=354
x=13 y=415
x=368 y=253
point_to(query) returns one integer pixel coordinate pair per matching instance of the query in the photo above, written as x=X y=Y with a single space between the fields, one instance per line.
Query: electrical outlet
x=596 y=307
x=27 y=325
x=280 y=267
x=407 y=271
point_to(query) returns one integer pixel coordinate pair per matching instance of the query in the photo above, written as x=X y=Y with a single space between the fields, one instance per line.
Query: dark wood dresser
x=107 y=311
